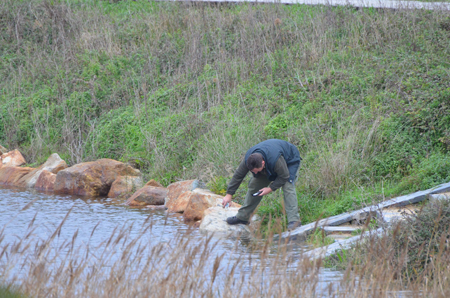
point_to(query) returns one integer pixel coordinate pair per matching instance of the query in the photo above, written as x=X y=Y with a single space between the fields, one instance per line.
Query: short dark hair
x=254 y=161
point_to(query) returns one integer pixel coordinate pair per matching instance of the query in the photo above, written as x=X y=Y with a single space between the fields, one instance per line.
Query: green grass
x=182 y=91
x=318 y=238
x=6 y=292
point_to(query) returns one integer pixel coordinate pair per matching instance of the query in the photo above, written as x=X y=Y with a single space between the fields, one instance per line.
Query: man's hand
x=265 y=191
x=226 y=200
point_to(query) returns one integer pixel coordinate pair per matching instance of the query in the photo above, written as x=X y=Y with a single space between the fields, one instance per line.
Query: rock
x=200 y=200
x=3 y=150
x=154 y=183
x=13 y=175
x=12 y=159
x=124 y=186
x=180 y=203
x=148 y=195
x=45 y=181
x=54 y=164
x=92 y=178
x=177 y=188
x=436 y=198
x=214 y=221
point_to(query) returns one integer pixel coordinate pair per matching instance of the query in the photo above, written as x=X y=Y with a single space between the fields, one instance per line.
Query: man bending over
x=274 y=164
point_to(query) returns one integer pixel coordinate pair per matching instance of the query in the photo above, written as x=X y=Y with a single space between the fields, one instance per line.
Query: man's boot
x=293 y=225
x=235 y=221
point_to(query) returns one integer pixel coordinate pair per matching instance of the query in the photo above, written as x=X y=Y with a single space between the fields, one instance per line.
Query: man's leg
x=291 y=202
x=252 y=202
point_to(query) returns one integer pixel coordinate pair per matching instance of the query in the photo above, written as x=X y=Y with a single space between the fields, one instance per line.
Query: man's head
x=255 y=163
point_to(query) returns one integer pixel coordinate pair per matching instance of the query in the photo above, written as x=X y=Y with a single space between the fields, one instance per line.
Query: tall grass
x=142 y=266
x=414 y=253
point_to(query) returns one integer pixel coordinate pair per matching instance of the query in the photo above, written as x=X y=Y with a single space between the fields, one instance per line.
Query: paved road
x=356 y=3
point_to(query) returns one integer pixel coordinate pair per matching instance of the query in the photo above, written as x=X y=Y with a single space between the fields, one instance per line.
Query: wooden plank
x=440 y=188
x=406 y=200
x=301 y=233
x=326 y=251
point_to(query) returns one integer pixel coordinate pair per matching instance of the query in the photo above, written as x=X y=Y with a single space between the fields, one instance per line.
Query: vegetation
x=182 y=90
x=61 y=265
x=417 y=249
x=8 y=293
x=318 y=238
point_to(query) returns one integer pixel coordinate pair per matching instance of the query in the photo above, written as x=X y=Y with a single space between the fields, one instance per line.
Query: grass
x=414 y=250
x=318 y=238
x=8 y=293
x=182 y=90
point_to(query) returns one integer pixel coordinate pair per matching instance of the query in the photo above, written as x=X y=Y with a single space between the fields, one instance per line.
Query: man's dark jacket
x=271 y=150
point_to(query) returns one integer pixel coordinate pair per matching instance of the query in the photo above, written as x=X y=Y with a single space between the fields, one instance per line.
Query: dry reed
x=142 y=266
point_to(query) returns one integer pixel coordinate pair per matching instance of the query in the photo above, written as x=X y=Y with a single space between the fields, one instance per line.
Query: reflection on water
x=95 y=222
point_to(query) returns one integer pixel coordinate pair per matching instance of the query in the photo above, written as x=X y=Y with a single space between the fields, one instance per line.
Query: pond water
x=36 y=216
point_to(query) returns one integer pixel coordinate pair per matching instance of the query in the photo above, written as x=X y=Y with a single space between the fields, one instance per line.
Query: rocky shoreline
x=114 y=179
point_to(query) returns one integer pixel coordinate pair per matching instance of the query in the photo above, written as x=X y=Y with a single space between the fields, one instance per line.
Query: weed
x=318 y=238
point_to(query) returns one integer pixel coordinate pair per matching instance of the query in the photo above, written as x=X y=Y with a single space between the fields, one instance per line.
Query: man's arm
x=235 y=182
x=282 y=174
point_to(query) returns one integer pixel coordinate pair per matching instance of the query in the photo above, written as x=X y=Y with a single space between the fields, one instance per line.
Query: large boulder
x=177 y=188
x=91 y=178
x=200 y=200
x=214 y=221
x=148 y=195
x=45 y=181
x=12 y=159
x=54 y=164
x=13 y=175
x=124 y=186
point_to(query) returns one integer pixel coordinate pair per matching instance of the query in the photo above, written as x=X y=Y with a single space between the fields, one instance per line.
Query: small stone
x=148 y=195
x=125 y=186
x=12 y=159
x=177 y=188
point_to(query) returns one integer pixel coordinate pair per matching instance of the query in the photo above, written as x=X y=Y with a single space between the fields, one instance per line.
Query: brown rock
x=92 y=178
x=124 y=186
x=148 y=195
x=45 y=181
x=12 y=159
x=177 y=188
x=180 y=203
x=12 y=175
x=201 y=200
x=54 y=164
x=3 y=150
x=154 y=183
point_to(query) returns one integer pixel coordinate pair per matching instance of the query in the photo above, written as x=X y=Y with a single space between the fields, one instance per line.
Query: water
x=95 y=221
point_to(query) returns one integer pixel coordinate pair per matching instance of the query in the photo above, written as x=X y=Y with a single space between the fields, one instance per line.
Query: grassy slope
x=182 y=91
